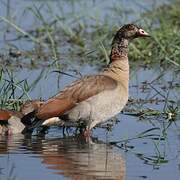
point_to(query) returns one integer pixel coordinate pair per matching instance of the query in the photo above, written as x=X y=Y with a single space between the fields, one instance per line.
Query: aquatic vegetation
x=164 y=46
x=58 y=39
x=13 y=91
x=54 y=44
x=63 y=35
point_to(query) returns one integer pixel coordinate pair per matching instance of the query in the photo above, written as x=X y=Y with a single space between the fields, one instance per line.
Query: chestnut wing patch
x=77 y=92
x=4 y=115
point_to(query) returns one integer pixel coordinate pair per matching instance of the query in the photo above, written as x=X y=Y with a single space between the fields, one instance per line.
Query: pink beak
x=143 y=33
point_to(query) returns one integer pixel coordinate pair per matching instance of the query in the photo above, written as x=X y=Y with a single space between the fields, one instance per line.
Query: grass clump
x=64 y=36
x=163 y=25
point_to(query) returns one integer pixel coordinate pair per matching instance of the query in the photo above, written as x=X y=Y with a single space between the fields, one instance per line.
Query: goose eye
x=141 y=32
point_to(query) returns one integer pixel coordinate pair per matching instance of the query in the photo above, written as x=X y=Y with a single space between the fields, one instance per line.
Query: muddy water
x=135 y=149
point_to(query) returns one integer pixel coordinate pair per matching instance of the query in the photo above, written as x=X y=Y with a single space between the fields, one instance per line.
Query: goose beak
x=142 y=33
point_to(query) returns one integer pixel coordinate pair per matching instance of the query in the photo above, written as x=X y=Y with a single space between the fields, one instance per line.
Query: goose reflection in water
x=72 y=157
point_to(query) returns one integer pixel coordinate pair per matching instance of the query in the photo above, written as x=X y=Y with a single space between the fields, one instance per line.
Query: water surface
x=136 y=148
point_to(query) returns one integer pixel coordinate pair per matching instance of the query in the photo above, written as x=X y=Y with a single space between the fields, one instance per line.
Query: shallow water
x=155 y=156
x=57 y=157
x=136 y=148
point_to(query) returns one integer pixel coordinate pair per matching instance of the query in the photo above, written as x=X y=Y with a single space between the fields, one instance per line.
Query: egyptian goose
x=12 y=122
x=94 y=99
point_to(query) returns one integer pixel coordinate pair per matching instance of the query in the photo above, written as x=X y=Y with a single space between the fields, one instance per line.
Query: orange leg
x=87 y=133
